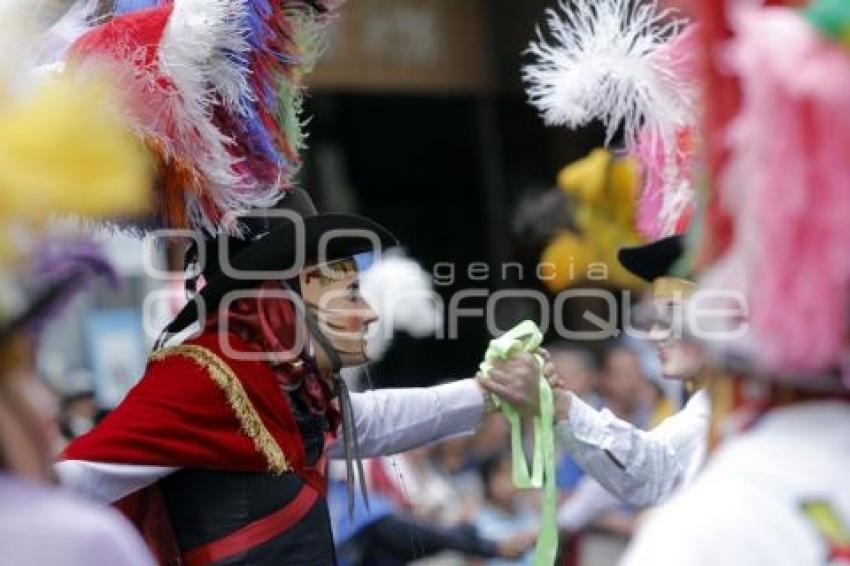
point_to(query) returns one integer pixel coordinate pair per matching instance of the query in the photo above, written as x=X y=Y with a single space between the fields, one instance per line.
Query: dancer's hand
x=563 y=401
x=516 y=381
x=560 y=391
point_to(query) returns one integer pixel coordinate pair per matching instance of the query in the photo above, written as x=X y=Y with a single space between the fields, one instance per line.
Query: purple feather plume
x=67 y=267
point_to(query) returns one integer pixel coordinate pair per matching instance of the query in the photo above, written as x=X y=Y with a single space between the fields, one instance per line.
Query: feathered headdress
x=786 y=191
x=60 y=267
x=64 y=150
x=64 y=147
x=214 y=88
x=630 y=65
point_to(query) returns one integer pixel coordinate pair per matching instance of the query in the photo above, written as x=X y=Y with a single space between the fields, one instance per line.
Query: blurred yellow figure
x=64 y=150
x=604 y=190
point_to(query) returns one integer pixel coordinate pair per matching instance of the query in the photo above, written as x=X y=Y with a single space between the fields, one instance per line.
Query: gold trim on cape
x=237 y=398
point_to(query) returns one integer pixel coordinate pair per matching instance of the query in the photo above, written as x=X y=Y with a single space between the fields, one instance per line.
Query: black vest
x=207 y=505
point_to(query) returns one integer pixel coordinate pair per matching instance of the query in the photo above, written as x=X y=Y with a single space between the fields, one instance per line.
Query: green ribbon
x=526 y=337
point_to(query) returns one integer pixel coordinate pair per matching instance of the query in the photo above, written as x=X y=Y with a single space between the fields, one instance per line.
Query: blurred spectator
x=623 y=386
x=79 y=413
x=578 y=367
x=40 y=524
x=489 y=440
x=389 y=535
x=450 y=459
x=506 y=511
x=80 y=410
x=411 y=482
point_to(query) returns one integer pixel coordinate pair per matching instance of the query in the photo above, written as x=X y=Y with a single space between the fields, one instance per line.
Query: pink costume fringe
x=787 y=187
x=666 y=205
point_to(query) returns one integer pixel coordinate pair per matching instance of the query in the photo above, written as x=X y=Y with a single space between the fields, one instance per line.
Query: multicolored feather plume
x=215 y=87
x=64 y=150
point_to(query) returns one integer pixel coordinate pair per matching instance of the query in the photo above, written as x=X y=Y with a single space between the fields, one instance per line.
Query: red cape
x=192 y=410
x=178 y=415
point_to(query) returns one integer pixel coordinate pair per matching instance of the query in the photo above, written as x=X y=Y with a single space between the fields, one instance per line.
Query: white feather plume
x=606 y=61
x=57 y=39
x=402 y=294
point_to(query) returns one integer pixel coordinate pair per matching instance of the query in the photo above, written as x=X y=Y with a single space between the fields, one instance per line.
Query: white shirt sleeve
x=390 y=421
x=640 y=467
x=387 y=422
x=107 y=483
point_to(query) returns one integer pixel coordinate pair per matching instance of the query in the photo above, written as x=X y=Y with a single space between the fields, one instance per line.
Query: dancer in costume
x=62 y=152
x=218 y=454
x=774 y=489
x=40 y=524
x=631 y=67
x=242 y=417
x=644 y=467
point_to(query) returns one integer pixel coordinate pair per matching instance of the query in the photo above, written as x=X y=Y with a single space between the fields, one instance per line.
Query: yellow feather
x=64 y=150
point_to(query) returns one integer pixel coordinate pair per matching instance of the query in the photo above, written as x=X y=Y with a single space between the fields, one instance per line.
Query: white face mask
x=332 y=293
x=679 y=359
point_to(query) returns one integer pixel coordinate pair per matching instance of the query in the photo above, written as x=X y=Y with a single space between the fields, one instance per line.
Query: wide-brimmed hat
x=653 y=260
x=277 y=244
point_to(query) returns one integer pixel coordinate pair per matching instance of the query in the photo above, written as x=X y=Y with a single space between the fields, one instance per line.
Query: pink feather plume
x=787 y=188
x=666 y=204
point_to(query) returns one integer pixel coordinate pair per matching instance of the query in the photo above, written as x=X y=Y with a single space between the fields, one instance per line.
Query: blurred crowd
x=455 y=502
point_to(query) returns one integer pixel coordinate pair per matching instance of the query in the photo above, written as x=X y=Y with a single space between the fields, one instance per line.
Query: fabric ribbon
x=351 y=447
x=526 y=337
x=350 y=442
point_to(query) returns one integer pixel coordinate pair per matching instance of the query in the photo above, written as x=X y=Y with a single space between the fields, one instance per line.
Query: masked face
x=679 y=358
x=332 y=293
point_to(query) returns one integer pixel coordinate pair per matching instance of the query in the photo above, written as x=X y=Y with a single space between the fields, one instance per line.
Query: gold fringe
x=238 y=400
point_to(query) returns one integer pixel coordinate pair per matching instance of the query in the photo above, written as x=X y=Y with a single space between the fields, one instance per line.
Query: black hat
x=269 y=243
x=653 y=260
